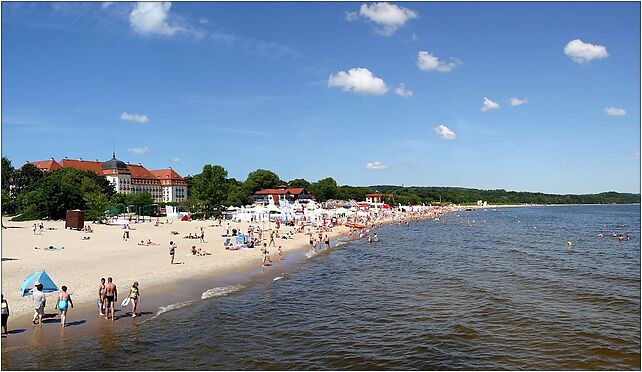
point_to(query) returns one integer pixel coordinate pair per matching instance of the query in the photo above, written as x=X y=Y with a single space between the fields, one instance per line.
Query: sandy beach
x=82 y=263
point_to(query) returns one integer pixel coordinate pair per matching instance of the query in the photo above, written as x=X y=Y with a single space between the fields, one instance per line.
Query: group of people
x=63 y=302
x=198 y=235
x=148 y=243
x=108 y=295
x=38 y=228
x=199 y=252
x=267 y=261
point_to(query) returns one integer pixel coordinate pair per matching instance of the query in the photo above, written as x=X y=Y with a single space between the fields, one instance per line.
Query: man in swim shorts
x=111 y=296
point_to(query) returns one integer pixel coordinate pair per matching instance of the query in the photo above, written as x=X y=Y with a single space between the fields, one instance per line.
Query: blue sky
x=314 y=90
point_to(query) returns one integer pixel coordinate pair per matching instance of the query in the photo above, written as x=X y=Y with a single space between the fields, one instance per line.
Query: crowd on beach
x=317 y=229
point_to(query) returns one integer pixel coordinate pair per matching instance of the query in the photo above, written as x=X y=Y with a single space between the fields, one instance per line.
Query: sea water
x=489 y=289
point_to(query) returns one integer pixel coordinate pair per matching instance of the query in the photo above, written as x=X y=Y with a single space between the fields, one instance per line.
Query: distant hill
x=460 y=195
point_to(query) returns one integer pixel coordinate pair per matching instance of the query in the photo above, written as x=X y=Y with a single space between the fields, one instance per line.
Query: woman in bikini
x=134 y=295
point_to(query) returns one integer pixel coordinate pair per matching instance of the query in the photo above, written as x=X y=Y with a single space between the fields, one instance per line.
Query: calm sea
x=489 y=289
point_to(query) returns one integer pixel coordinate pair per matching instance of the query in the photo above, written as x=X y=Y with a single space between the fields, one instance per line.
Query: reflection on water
x=491 y=289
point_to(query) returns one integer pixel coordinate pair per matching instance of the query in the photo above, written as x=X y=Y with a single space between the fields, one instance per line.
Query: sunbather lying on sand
x=50 y=248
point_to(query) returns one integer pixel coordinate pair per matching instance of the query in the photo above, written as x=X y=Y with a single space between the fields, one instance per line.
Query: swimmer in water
x=601 y=234
x=376 y=238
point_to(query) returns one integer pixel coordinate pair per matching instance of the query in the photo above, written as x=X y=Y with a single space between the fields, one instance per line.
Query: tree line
x=34 y=194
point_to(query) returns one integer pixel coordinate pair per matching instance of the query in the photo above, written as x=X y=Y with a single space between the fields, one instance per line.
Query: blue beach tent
x=41 y=277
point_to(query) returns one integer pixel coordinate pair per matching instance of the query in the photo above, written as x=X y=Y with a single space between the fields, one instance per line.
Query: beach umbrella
x=41 y=277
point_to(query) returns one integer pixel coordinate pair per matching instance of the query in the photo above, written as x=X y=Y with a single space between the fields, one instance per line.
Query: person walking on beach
x=266 y=255
x=34 y=229
x=39 y=302
x=101 y=297
x=272 y=243
x=5 y=315
x=64 y=300
x=327 y=241
x=134 y=295
x=172 y=251
x=202 y=235
x=280 y=253
x=111 y=296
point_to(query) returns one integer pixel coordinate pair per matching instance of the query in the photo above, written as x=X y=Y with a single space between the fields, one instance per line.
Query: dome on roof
x=114 y=163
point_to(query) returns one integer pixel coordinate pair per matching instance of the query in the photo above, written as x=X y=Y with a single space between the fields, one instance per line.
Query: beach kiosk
x=75 y=219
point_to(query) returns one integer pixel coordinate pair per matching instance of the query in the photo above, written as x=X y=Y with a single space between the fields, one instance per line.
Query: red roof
x=46 y=165
x=270 y=191
x=168 y=177
x=293 y=191
x=140 y=172
x=166 y=174
x=137 y=171
x=83 y=165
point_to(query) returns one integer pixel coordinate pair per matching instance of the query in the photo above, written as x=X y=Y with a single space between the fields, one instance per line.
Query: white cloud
x=489 y=105
x=351 y=16
x=389 y=16
x=106 y=4
x=375 y=165
x=518 y=101
x=134 y=117
x=203 y=21
x=429 y=62
x=402 y=91
x=151 y=19
x=445 y=132
x=139 y=150
x=359 y=80
x=582 y=52
x=176 y=160
x=614 y=111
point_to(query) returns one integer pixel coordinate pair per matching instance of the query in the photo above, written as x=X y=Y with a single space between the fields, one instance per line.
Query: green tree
x=8 y=172
x=144 y=198
x=325 y=189
x=26 y=176
x=236 y=195
x=261 y=179
x=300 y=182
x=97 y=203
x=209 y=188
x=8 y=203
x=50 y=197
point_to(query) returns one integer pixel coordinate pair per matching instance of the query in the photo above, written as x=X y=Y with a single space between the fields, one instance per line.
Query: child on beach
x=280 y=253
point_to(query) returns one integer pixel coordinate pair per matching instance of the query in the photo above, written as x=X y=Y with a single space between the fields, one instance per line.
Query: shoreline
x=174 y=287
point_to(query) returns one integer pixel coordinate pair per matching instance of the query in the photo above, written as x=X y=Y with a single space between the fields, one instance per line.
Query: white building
x=164 y=185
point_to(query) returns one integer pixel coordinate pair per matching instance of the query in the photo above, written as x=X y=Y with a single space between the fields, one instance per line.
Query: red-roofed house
x=46 y=165
x=376 y=198
x=164 y=185
x=273 y=196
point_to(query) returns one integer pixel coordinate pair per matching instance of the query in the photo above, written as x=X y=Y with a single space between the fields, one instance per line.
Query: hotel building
x=164 y=185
